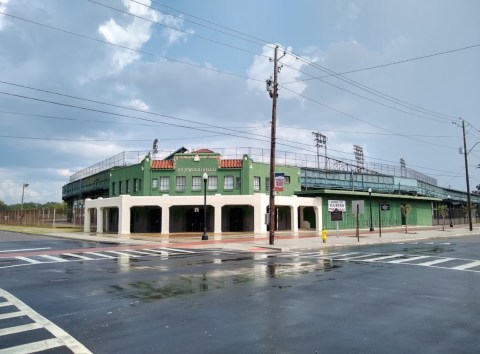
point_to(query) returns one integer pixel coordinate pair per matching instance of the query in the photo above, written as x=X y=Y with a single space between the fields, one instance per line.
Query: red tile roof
x=231 y=163
x=203 y=151
x=162 y=164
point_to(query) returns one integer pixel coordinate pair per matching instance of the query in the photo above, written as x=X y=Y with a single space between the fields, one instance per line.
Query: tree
x=3 y=206
x=406 y=209
x=443 y=210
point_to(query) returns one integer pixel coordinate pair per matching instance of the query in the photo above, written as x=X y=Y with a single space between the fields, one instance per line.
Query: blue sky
x=44 y=142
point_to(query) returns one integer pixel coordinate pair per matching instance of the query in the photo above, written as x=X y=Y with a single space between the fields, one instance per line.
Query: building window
x=127 y=187
x=286 y=179
x=135 y=185
x=238 y=182
x=154 y=183
x=164 y=184
x=120 y=187
x=256 y=183
x=212 y=183
x=181 y=182
x=196 y=183
x=139 y=184
x=114 y=187
x=267 y=184
x=228 y=183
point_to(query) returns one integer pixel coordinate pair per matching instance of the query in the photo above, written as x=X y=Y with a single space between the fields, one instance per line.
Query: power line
x=175 y=29
x=364 y=121
x=128 y=48
x=337 y=75
x=440 y=116
x=390 y=64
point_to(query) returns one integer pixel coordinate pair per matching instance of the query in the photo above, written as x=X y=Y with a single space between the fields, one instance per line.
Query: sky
x=81 y=81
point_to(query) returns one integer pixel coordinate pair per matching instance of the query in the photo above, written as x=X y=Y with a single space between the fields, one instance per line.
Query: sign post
x=358 y=208
x=336 y=209
x=381 y=207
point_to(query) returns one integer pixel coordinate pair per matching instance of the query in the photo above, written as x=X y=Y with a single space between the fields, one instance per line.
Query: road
x=398 y=298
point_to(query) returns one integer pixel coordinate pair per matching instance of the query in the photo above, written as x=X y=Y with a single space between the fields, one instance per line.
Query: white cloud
x=290 y=72
x=139 y=104
x=3 y=8
x=138 y=32
x=133 y=35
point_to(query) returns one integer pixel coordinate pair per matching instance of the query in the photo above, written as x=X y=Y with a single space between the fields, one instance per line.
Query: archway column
x=87 y=221
x=165 y=219
x=217 y=228
x=99 y=220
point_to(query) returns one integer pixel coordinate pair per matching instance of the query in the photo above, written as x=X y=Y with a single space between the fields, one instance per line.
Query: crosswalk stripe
x=177 y=250
x=383 y=258
x=123 y=253
x=101 y=255
x=29 y=260
x=163 y=253
x=437 y=261
x=20 y=329
x=78 y=256
x=467 y=266
x=142 y=252
x=356 y=257
x=53 y=258
x=62 y=337
x=334 y=256
x=411 y=259
x=34 y=347
x=4 y=304
x=4 y=316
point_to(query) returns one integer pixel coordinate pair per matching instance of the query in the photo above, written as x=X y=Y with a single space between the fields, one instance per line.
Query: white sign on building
x=339 y=205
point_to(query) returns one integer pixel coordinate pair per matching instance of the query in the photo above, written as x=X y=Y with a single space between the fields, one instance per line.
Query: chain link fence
x=43 y=217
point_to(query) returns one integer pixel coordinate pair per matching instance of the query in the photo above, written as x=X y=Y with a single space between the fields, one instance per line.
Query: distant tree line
x=30 y=206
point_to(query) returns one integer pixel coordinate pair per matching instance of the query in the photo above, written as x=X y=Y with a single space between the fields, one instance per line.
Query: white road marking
x=78 y=256
x=403 y=260
x=143 y=253
x=467 y=266
x=62 y=337
x=29 y=260
x=178 y=250
x=123 y=254
x=53 y=258
x=437 y=261
x=19 y=329
x=382 y=258
x=34 y=347
x=14 y=314
x=163 y=253
x=356 y=257
x=26 y=249
x=101 y=255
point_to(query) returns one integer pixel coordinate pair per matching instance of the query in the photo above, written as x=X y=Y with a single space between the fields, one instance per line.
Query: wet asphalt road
x=239 y=302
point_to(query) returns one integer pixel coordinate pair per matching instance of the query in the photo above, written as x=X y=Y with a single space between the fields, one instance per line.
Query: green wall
x=195 y=165
x=421 y=214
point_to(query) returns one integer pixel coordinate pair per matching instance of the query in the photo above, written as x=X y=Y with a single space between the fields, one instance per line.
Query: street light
x=205 y=179
x=371 y=216
x=23 y=193
x=450 y=209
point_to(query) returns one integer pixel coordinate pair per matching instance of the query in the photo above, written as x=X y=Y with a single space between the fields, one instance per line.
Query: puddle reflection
x=261 y=271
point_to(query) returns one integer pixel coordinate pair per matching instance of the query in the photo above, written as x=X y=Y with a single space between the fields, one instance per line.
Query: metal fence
x=43 y=217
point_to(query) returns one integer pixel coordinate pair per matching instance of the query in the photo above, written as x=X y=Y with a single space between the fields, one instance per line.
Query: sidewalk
x=284 y=241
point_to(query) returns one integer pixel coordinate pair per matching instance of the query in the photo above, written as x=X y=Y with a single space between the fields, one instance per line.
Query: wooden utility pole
x=465 y=153
x=273 y=95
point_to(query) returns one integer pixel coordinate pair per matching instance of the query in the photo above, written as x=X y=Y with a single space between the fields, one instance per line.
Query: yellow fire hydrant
x=324 y=235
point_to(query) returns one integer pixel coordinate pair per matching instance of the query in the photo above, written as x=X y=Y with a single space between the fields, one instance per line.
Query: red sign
x=279 y=182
